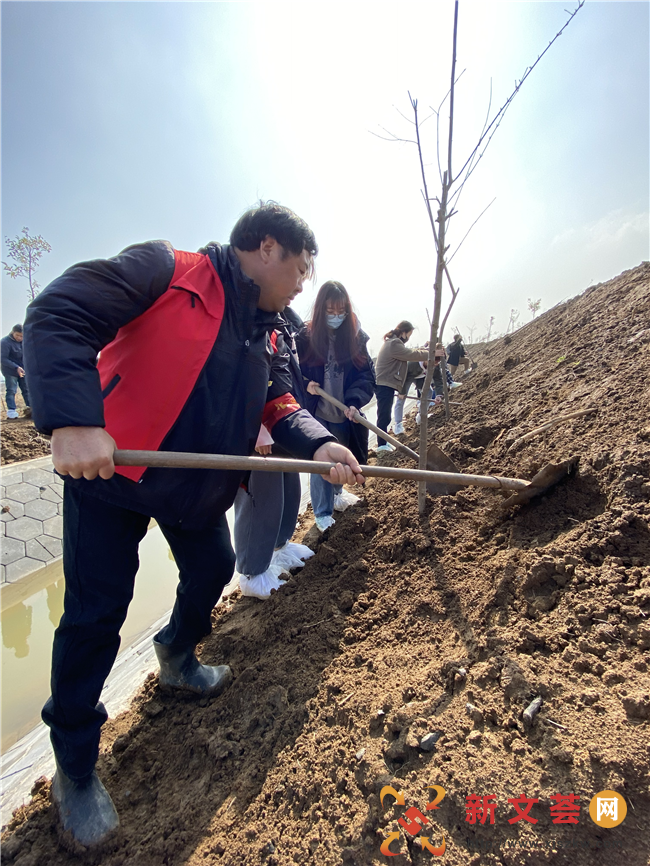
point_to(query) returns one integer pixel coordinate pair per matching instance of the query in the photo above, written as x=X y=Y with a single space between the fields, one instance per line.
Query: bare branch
x=422 y=122
x=470 y=228
x=454 y=295
x=455 y=198
x=437 y=114
x=451 y=97
x=499 y=115
x=392 y=138
x=407 y=119
x=425 y=193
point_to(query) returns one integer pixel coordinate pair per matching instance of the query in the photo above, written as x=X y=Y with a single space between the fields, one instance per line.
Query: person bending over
x=184 y=366
x=392 y=369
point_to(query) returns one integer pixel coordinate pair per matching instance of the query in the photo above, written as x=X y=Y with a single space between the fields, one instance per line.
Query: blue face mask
x=335 y=321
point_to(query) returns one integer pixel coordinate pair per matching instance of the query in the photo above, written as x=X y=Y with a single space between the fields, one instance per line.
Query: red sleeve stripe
x=276 y=410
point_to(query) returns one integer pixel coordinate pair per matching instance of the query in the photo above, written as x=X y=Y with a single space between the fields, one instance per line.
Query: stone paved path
x=31 y=529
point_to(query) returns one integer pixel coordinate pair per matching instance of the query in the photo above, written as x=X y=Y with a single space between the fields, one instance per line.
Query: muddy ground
x=401 y=621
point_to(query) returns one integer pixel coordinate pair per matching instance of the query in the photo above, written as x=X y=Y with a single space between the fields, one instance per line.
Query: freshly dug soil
x=20 y=441
x=401 y=621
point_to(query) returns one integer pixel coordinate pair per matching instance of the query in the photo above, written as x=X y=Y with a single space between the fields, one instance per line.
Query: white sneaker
x=399 y=428
x=12 y=414
x=344 y=500
x=455 y=385
x=259 y=585
x=385 y=449
x=324 y=522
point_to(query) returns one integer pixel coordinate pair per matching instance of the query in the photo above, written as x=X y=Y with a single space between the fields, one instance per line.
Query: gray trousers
x=265 y=518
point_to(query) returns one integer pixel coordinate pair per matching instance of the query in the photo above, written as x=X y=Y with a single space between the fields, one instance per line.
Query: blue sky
x=127 y=121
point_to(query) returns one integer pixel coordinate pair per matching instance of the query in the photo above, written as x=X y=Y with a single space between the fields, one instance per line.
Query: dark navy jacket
x=12 y=356
x=358 y=388
x=80 y=313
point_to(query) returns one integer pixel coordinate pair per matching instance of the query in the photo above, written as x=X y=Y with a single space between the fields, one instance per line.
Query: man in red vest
x=184 y=366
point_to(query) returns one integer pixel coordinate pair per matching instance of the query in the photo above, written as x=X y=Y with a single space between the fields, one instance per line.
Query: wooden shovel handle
x=189 y=460
x=549 y=426
x=368 y=424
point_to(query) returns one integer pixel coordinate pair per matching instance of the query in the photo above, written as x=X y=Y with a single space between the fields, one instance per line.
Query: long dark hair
x=404 y=327
x=347 y=346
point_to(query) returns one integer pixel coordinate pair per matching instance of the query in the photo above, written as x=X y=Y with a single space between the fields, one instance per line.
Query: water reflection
x=28 y=627
x=55 y=592
x=17 y=629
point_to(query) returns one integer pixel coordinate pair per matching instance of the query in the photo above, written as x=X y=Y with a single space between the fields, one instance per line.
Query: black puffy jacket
x=81 y=312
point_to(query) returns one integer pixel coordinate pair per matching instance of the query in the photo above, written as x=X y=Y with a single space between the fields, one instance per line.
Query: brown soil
x=20 y=441
x=401 y=620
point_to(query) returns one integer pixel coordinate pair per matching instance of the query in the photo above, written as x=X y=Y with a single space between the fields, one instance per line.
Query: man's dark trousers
x=100 y=560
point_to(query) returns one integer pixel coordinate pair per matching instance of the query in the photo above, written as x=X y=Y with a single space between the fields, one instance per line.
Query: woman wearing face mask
x=392 y=367
x=333 y=355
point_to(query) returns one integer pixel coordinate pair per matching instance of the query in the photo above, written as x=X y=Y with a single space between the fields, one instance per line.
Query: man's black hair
x=270 y=218
x=17 y=329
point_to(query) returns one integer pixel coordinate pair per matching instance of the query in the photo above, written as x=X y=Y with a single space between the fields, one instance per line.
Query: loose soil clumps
x=405 y=653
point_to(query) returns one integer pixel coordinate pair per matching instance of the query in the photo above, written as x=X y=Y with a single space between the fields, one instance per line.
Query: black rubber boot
x=180 y=669
x=85 y=808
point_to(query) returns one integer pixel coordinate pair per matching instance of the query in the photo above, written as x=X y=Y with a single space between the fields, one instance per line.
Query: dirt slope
x=400 y=621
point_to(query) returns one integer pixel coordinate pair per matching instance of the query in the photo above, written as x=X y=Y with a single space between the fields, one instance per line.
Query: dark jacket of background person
x=285 y=375
x=455 y=351
x=358 y=387
x=392 y=363
x=12 y=356
x=81 y=312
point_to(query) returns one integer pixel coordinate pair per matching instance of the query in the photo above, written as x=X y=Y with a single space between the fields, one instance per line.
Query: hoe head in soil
x=546 y=478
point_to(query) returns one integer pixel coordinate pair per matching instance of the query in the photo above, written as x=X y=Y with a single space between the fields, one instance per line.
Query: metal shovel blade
x=438 y=461
x=547 y=477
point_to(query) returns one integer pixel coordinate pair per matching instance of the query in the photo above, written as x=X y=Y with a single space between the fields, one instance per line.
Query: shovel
x=437 y=460
x=188 y=460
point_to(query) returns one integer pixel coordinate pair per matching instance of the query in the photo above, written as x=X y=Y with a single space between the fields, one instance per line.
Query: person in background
x=456 y=355
x=414 y=375
x=14 y=372
x=267 y=503
x=392 y=368
x=333 y=355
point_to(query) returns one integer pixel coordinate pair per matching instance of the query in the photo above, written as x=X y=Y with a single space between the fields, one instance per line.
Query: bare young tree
x=512 y=321
x=26 y=251
x=470 y=334
x=447 y=203
x=534 y=306
x=488 y=333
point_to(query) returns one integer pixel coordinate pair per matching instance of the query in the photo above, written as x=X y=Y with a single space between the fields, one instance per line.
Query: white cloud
x=614 y=229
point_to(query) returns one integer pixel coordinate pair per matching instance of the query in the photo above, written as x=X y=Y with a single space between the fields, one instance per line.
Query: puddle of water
x=28 y=628
x=28 y=624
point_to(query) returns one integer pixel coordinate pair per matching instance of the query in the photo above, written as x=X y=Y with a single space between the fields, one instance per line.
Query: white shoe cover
x=385 y=448
x=286 y=560
x=291 y=555
x=299 y=550
x=398 y=429
x=259 y=585
x=344 y=499
x=324 y=522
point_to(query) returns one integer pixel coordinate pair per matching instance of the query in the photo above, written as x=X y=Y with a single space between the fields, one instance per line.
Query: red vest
x=151 y=367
